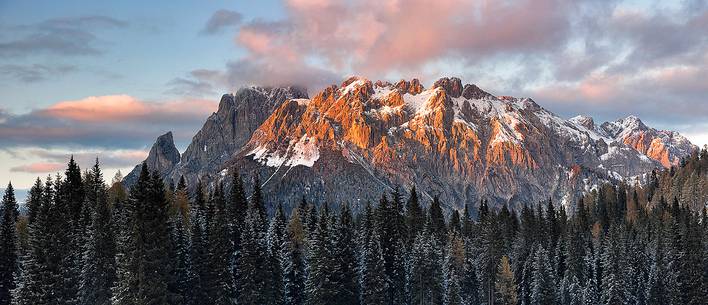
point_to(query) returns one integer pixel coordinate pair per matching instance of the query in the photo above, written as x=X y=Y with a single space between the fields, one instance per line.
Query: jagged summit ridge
x=451 y=139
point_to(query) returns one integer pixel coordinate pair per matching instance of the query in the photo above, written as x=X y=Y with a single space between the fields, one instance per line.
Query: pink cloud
x=117 y=108
x=98 y=108
x=117 y=121
x=374 y=37
x=598 y=88
x=39 y=167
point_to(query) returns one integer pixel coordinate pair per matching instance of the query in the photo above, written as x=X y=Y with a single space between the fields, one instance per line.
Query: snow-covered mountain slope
x=665 y=146
x=353 y=141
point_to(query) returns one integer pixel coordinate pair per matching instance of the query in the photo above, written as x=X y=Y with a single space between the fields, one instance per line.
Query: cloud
x=35 y=72
x=199 y=82
x=125 y=108
x=39 y=168
x=48 y=161
x=221 y=20
x=73 y=36
x=278 y=73
x=375 y=37
x=112 y=121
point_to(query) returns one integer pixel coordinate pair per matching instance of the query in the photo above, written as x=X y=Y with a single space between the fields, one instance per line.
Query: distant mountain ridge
x=351 y=142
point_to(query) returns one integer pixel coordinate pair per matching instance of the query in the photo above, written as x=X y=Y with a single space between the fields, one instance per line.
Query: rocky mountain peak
x=632 y=122
x=666 y=147
x=454 y=140
x=452 y=85
x=162 y=158
x=412 y=87
x=471 y=91
x=585 y=121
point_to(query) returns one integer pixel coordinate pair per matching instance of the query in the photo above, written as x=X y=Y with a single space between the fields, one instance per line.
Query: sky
x=103 y=79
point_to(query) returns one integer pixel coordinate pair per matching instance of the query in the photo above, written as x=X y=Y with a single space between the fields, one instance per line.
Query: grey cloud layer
x=60 y=36
x=221 y=20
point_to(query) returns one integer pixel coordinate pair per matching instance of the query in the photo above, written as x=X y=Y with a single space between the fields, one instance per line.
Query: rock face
x=350 y=143
x=228 y=129
x=665 y=146
x=163 y=157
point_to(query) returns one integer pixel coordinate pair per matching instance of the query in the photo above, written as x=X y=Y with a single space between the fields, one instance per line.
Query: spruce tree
x=391 y=228
x=453 y=268
x=180 y=278
x=489 y=251
x=437 y=221
x=345 y=259
x=198 y=251
x=415 y=219
x=237 y=207
x=293 y=260
x=8 y=245
x=99 y=267
x=613 y=284
x=219 y=282
x=33 y=287
x=470 y=282
x=543 y=284
x=276 y=240
x=142 y=277
x=426 y=278
x=252 y=259
x=372 y=275
x=321 y=263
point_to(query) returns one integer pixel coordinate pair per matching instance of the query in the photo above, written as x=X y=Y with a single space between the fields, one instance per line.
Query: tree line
x=83 y=242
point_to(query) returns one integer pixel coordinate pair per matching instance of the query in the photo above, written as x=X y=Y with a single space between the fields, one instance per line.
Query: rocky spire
x=163 y=157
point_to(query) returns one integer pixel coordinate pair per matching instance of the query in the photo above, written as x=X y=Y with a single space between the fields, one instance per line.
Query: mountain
x=665 y=146
x=163 y=157
x=224 y=133
x=350 y=143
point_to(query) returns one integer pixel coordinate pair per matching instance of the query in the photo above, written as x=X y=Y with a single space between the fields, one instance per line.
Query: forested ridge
x=84 y=242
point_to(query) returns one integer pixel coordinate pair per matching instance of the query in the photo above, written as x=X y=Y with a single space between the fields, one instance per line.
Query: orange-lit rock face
x=452 y=138
x=666 y=147
x=653 y=146
x=387 y=123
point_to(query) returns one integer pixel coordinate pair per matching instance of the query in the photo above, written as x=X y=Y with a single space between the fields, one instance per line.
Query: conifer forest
x=79 y=240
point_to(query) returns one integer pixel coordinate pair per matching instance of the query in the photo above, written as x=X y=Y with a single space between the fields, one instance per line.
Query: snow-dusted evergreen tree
x=613 y=285
x=293 y=260
x=655 y=288
x=219 y=281
x=415 y=218
x=253 y=277
x=99 y=268
x=453 y=269
x=372 y=277
x=321 y=263
x=526 y=282
x=346 y=280
x=470 y=282
x=142 y=277
x=276 y=240
x=68 y=232
x=543 y=284
x=436 y=221
x=179 y=284
x=426 y=278
x=391 y=228
x=237 y=207
x=8 y=245
x=488 y=251
x=30 y=288
x=198 y=251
